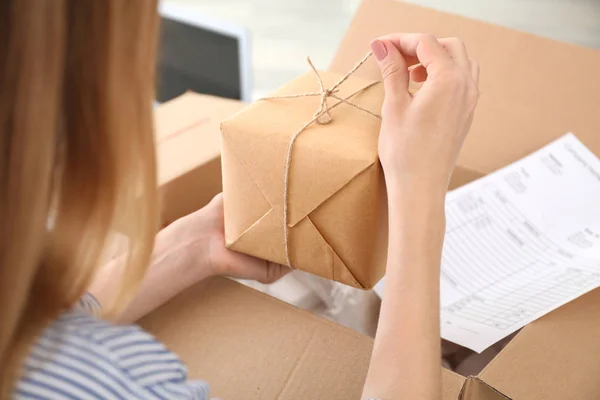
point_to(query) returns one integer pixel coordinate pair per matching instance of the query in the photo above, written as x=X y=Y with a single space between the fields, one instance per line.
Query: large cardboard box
x=533 y=90
x=188 y=151
x=250 y=346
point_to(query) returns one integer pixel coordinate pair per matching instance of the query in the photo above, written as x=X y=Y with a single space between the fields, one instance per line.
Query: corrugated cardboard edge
x=476 y=389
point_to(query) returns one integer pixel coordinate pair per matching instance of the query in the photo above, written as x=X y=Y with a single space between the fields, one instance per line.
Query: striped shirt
x=82 y=357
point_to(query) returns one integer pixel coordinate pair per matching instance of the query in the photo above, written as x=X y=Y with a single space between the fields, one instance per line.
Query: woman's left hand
x=201 y=240
x=186 y=252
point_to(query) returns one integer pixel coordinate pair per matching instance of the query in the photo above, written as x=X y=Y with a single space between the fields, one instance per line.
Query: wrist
x=428 y=188
x=417 y=217
x=184 y=256
x=410 y=191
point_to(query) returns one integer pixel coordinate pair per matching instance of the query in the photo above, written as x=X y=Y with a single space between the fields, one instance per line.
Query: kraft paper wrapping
x=336 y=193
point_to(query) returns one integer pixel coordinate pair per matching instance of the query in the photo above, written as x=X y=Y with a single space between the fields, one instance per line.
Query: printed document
x=520 y=243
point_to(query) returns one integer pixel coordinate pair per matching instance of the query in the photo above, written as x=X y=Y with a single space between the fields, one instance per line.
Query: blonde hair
x=76 y=155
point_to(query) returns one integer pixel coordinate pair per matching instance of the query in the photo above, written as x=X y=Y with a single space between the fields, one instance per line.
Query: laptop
x=201 y=54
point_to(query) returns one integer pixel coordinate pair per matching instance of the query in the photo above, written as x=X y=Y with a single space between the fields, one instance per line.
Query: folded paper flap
x=314 y=178
x=325 y=157
x=476 y=389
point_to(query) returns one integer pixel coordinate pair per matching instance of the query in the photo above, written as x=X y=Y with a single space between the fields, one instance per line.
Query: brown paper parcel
x=336 y=192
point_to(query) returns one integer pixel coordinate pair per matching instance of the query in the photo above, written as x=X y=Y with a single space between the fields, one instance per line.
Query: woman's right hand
x=421 y=136
x=422 y=133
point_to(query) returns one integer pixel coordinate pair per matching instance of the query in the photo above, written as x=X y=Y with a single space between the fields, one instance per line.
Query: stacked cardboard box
x=188 y=151
x=533 y=90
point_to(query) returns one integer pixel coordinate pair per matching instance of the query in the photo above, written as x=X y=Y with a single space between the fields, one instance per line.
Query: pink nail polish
x=379 y=49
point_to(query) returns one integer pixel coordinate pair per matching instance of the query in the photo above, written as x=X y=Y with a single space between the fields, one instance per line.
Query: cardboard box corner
x=187 y=134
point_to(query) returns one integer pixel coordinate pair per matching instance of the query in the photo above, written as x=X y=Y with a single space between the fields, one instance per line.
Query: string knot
x=323 y=114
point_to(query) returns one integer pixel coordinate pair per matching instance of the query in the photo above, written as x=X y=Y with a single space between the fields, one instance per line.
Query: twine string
x=322 y=117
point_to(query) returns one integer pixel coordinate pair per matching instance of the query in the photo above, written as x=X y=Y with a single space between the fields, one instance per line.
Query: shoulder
x=80 y=356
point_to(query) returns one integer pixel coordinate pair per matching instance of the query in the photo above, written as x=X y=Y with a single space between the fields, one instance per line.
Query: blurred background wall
x=284 y=32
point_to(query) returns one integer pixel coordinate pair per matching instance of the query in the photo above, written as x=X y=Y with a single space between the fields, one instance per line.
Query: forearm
x=406 y=356
x=170 y=272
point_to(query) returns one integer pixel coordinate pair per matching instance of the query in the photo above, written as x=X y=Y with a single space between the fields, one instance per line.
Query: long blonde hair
x=76 y=155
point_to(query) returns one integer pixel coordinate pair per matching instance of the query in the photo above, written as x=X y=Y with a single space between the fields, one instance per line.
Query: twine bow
x=322 y=117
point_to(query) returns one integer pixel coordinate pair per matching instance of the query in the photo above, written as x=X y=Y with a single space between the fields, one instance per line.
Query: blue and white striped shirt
x=82 y=357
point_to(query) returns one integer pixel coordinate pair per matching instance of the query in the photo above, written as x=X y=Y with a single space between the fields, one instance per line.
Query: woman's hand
x=422 y=133
x=421 y=136
x=186 y=252
x=201 y=240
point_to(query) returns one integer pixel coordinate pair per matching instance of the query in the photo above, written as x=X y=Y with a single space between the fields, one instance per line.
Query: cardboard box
x=533 y=90
x=336 y=203
x=188 y=151
x=250 y=346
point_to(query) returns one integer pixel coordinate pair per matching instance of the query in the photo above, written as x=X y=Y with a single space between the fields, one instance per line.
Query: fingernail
x=378 y=49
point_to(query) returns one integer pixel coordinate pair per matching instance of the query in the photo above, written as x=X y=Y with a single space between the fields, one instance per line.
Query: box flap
x=250 y=346
x=476 y=389
x=553 y=358
x=533 y=89
x=187 y=132
x=188 y=151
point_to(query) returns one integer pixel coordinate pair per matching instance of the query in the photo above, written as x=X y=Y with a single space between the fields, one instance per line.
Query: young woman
x=77 y=157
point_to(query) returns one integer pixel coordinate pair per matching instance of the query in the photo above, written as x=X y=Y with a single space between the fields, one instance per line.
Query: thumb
x=394 y=70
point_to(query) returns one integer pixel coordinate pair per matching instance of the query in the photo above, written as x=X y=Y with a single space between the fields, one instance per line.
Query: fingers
x=418 y=73
x=242 y=266
x=217 y=200
x=433 y=54
x=276 y=271
x=458 y=51
x=394 y=70
x=426 y=56
x=421 y=48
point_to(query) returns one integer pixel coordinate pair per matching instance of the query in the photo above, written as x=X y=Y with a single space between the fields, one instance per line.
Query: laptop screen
x=197 y=58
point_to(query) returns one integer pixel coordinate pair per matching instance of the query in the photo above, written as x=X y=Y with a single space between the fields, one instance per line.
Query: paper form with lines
x=519 y=243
